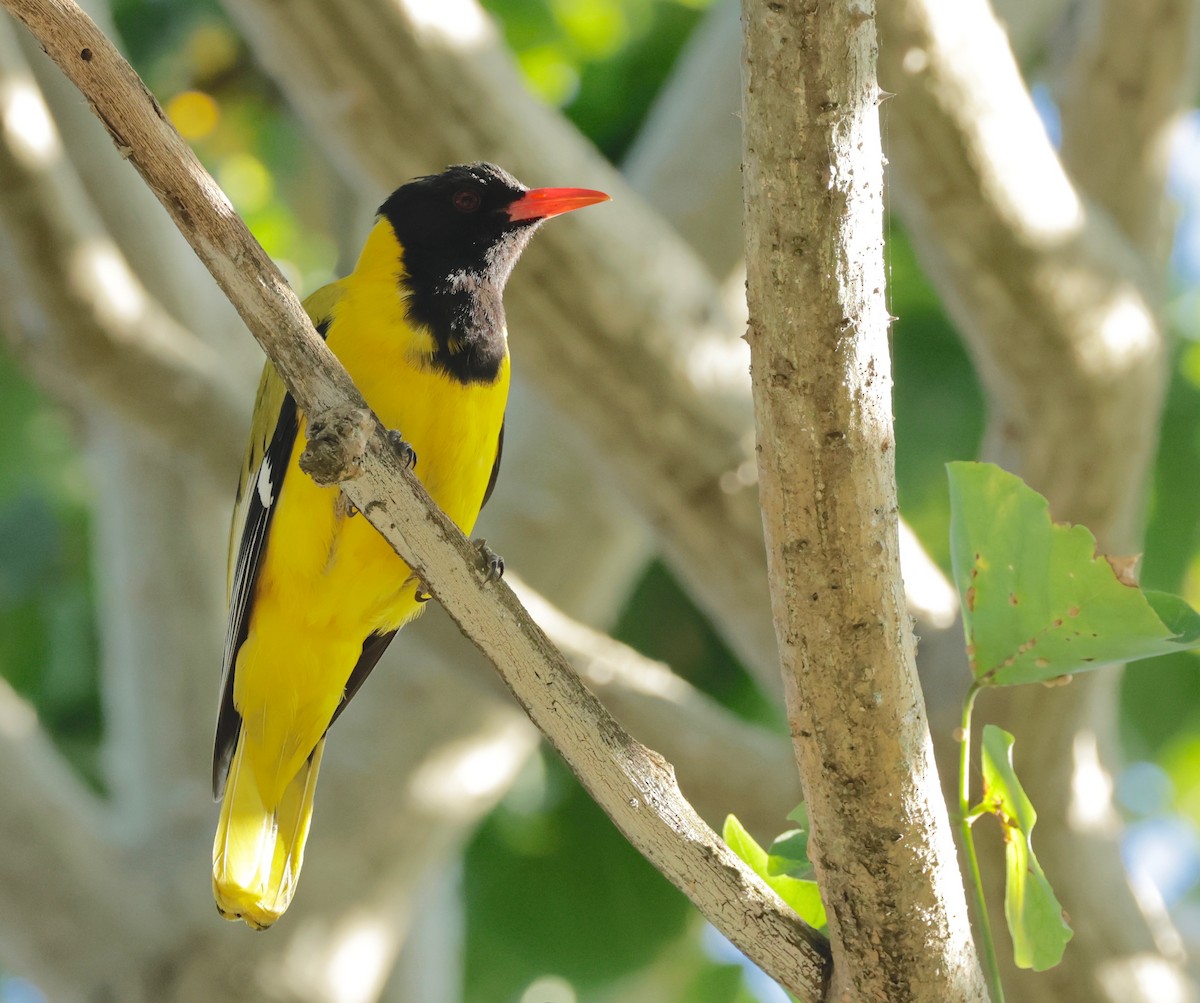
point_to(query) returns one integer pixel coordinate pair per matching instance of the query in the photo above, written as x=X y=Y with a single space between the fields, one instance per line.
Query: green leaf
x=1177 y=615
x=789 y=851
x=1035 y=919
x=1038 y=601
x=788 y=855
x=802 y=896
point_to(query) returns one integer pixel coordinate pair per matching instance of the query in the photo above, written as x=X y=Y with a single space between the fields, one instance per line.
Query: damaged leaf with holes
x=1035 y=919
x=1038 y=601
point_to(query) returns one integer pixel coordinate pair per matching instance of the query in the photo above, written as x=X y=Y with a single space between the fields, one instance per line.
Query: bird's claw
x=490 y=562
x=407 y=455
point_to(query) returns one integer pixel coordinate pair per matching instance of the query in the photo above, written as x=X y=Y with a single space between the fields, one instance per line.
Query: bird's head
x=473 y=218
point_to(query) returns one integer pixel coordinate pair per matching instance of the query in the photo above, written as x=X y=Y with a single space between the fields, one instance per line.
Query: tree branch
x=881 y=842
x=85 y=926
x=724 y=764
x=1135 y=65
x=632 y=784
x=1036 y=281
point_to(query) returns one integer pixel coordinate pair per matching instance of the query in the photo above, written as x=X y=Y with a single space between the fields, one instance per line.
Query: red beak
x=542 y=203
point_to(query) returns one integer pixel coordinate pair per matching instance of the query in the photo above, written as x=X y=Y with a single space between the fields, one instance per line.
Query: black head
x=457 y=221
x=473 y=218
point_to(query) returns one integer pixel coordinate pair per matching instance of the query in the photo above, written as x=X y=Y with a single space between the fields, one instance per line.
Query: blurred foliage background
x=559 y=907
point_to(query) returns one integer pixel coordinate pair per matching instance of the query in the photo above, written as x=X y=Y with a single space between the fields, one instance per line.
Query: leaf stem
x=990 y=963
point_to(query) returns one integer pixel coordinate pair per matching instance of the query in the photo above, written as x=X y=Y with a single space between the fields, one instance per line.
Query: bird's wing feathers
x=272 y=437
x=372 y=650
x=491 y=485
x=260 y=491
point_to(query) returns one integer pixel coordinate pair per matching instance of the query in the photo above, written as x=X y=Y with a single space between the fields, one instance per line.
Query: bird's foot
x=404 y=451
x=490 y=562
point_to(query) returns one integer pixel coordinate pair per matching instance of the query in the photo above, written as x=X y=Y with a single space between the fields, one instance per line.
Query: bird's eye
x=466 y=200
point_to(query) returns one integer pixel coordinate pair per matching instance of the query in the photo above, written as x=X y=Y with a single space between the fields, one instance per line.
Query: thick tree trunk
x=881 y=841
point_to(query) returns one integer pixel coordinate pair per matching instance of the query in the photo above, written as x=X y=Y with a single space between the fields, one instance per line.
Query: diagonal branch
x=634 y=785
x=724 y=764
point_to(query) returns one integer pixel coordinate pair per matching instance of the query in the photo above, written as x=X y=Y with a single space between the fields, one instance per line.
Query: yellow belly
x=328 y=580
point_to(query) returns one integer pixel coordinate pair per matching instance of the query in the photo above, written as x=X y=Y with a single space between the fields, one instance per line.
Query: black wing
x=258 y=496
x=495 y=468
x=372 y=650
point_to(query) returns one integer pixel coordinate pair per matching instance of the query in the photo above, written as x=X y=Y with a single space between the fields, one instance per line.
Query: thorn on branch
x=337 y=440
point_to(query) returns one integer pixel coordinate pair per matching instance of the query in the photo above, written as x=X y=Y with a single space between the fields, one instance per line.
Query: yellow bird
x=315 y=594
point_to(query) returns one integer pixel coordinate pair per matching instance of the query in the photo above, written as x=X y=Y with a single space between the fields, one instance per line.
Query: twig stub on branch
x=337 y=440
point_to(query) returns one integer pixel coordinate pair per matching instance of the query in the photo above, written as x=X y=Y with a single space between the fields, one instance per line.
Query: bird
x=315 y=593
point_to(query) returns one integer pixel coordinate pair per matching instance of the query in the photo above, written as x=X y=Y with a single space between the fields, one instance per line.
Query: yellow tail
x=259 y=850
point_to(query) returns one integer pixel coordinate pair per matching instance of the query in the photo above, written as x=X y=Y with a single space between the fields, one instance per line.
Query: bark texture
x=881 y=842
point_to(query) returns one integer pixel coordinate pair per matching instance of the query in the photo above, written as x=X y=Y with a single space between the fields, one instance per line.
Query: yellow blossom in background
x=195 y=114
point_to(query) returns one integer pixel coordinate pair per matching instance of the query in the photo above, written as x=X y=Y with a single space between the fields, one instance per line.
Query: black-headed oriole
x=315 y=594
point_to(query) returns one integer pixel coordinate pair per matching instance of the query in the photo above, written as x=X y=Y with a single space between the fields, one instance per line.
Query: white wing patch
x=265 y=487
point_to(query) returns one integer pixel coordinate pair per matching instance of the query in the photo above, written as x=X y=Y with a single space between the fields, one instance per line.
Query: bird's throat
x=464 y=314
